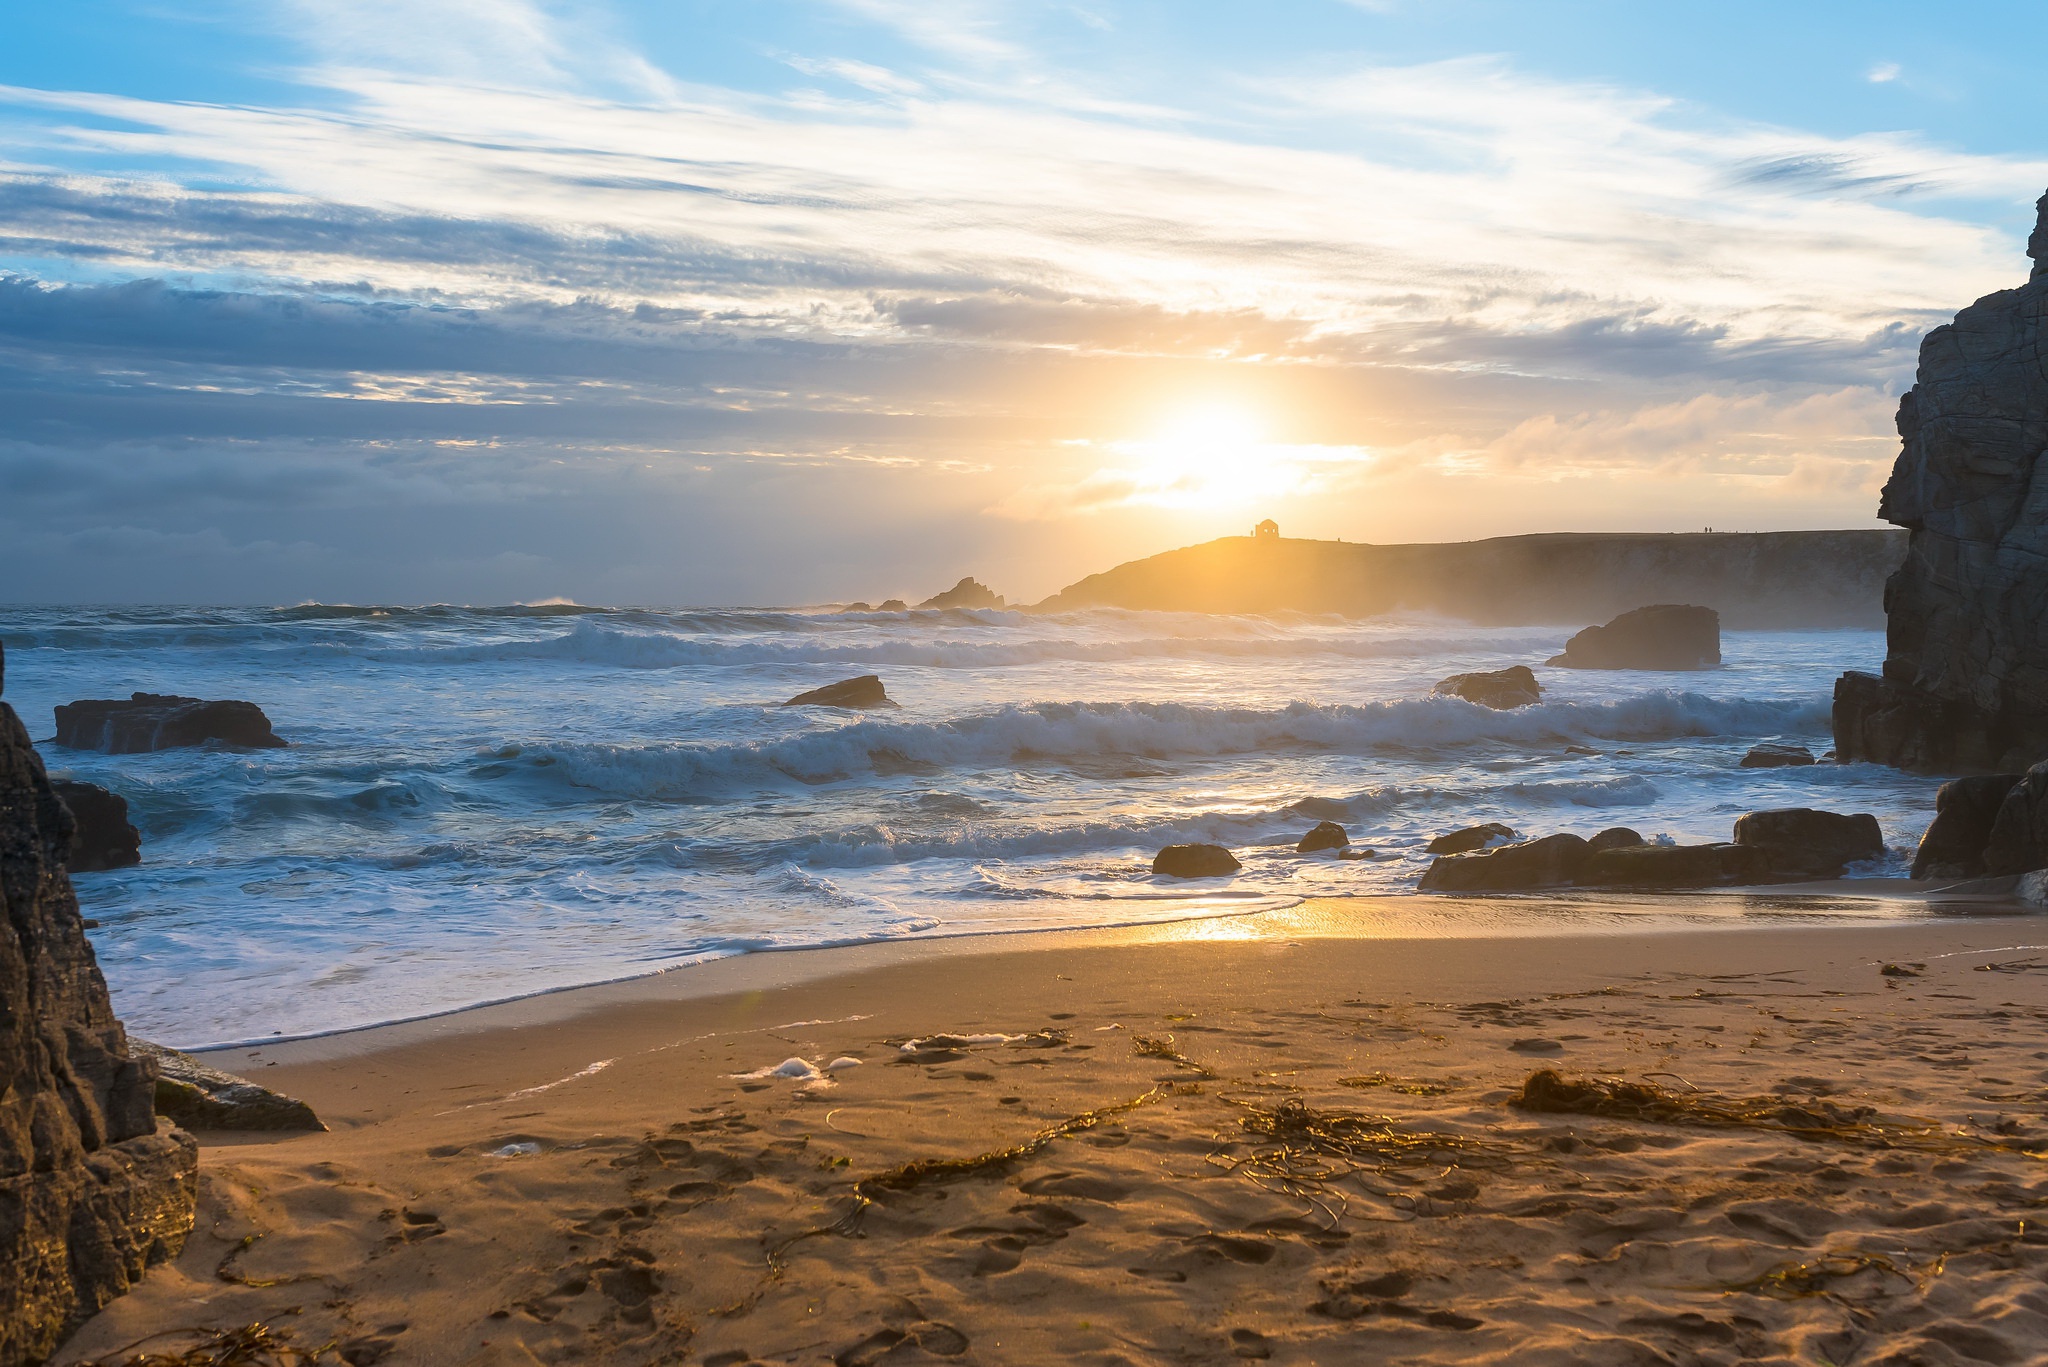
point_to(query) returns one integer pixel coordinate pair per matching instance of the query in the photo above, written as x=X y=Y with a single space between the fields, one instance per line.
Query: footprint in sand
x=1537 y=1045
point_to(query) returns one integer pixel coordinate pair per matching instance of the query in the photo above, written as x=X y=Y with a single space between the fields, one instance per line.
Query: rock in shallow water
x=1327 y=835
x=1673 y=866
x=161 y=721
x=1195 y=861
x=1799 y=842
x=1965 y=810
x=1499 y=689
x=1471 y=838
x=1667 y=636
x=865 y=691
x=102 y=836
x=1552 y=862
x=1772 y=756
x=93 y=1188
x=2018 y=842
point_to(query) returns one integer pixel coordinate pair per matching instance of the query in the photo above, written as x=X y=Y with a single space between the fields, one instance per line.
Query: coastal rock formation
x=1615 y=838
x=1501 y=689
x=102 y=837
x=1965 y=810
x=1195 y=861
x=1327 y=835
x=865 y=691
x=968 y=593
x=2019 y=834
x=1758 y=580
x=93 y=1188
x=161 y=721
x=1770 y=756
x=1673 y=866
x=201 y=1097
x=1965 y=679
x=893 y=605
x=1551 y=862
x=1799 y=842
x=1471 y=838
x=1665 y=636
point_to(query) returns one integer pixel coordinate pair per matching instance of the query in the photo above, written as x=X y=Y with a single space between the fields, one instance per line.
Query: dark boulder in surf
x=968 y=593
x=2019 y=835
x=1615 y=838
x=201 y=1097
x=1666 y=636
x=1195 y=861
x=1799 y=842
x=1471 y=838
x=1673 y=866
x=1327 y=835
x=1770 y=755
x=866 y=691
x=102 y=837
x=893 y=605
x=161 y=721
x=1965 y=811
x=1500 y=689
x=1552 y=862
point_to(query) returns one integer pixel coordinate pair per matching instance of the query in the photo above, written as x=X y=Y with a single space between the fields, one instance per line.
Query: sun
x=1210 y=457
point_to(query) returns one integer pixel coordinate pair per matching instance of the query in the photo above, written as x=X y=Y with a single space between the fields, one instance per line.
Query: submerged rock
x=1773 y=756
x=102 y=837
x=968 y=593
x=161 y=721
x=1552 y=862
x=865 y=691
x=1500 y=689
x=1800 y=842
x=1327 y=835
x=201 y=1097
x=1673 y=866
x=1471 y=838
x=1965 y=679
x=94 y=1190
x=1965 y=810
x=1666 y=636
x=1195 y=861
x=2019 y=833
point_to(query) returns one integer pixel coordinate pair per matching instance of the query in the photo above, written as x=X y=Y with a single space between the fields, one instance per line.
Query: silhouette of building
x=1269 y=530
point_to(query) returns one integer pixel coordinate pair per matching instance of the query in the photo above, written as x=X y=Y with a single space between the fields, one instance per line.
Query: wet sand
x=1288 y=1137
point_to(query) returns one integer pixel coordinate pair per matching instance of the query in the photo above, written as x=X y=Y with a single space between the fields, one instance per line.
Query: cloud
x=1883 y=72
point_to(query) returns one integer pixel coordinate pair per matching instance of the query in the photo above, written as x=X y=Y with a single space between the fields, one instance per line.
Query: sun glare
x=1209 y=457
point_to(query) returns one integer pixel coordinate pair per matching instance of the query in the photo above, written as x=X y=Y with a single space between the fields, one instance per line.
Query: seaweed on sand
x=1304 y=1151
x=252 y=1345
x=1547 y=1091
x=1817 y=1276
x=1163 y=1047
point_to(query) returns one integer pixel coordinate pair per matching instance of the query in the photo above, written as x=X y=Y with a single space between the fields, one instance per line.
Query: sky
x=793 y=301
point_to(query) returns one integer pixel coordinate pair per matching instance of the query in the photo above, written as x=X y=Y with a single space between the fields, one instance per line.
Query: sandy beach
x=1283 y=1137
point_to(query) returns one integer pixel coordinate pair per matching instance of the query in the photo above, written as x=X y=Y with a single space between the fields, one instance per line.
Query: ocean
x=481 y=803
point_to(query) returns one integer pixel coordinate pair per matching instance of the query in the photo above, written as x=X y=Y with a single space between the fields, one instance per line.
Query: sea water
x=479 y=803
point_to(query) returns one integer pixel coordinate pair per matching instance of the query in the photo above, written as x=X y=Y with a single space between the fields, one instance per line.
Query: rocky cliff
x=1755 y=580
x=93 y=1189
x=1965 y=682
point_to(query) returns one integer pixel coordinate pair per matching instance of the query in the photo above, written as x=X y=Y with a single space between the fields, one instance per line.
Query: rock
x=968 y=593
x=1771 y=756
x=1358 y=854
x=1667 y=636
x=858 y=607
x=1615 y=838
x=1964 y=812
x=1501 y=689
x=1674 y=866
x=102 y=837
x=2019 y=833
x=866 y=691
x=1195 y=861
x=1471 y=838
x=1327 y=835
x=1965 y=679
x=201 y=1097
x=1799 y=842
x=94 y=1189
x=893 y=605
x=161 y=721
x=1554 y=861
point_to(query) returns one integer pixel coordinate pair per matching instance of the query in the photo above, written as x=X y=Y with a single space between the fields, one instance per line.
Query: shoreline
x=746 y=1164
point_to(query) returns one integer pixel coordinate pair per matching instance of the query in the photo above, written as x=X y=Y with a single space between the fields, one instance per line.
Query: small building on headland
x=1269 y=530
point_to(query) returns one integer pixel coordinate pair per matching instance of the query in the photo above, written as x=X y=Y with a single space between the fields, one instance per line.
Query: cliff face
x=1754 y=579
x=1965 y=683
x=92 y=1189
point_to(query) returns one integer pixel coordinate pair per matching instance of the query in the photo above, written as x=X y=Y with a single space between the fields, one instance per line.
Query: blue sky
x=711 y=301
